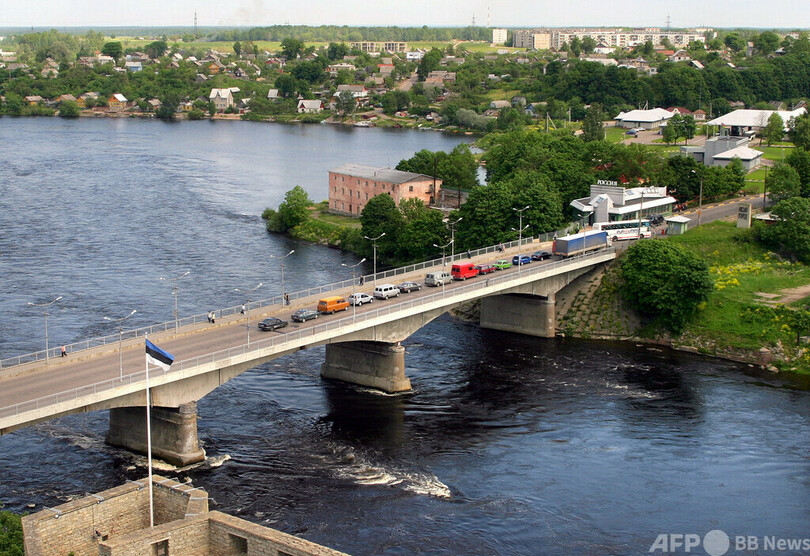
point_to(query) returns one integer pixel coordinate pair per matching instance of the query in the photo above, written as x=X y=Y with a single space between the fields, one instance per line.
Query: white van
x=439 y=278
x=384 y=291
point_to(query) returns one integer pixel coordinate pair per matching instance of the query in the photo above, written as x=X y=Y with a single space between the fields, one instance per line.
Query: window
x=161 y=548
x=410 y=188
x=366 y=196
x=237 y=544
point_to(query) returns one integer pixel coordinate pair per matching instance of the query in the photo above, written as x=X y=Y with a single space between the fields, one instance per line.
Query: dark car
x=656 y=219
x=302 y=315
x=272 y=323
x=407 y=287
x=485 y=268
x=521 y=260
x=541 y=255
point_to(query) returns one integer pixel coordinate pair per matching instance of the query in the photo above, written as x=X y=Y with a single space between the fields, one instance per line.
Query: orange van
x=332 y=304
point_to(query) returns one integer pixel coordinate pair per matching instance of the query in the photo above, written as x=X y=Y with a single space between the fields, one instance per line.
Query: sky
x=789 y=14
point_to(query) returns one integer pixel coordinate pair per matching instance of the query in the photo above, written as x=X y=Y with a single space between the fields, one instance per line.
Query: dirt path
x=786 y=296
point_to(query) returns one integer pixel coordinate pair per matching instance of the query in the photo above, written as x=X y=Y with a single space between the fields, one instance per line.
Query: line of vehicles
x=563 y=247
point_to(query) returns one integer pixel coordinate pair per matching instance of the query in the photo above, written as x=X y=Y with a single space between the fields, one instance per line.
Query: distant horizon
x=722 y=14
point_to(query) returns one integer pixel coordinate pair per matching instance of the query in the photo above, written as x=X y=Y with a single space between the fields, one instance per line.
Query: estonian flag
x=154 y=354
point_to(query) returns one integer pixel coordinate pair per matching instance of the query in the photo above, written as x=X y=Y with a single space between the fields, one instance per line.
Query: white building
x=499 y=36
x=644 y=119
x=609 y=202
x=742 y=121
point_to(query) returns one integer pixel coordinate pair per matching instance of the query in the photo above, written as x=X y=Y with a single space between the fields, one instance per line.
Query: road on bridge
x=96 y=365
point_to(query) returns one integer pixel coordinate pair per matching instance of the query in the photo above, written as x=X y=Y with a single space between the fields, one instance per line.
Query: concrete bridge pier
x=174 y=432
x=378 y=365
x=524 y=314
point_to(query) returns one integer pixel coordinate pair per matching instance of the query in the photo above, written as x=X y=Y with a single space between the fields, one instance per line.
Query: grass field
x=735 y=316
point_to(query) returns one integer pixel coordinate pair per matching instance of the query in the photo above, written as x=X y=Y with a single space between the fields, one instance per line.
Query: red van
x=464 y=271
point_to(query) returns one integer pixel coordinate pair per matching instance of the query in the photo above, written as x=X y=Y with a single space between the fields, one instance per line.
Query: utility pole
x=373 y=241
x=453 y=238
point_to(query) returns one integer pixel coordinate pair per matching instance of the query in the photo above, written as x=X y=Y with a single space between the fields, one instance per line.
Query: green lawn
x=735 y=317
x=774 y=153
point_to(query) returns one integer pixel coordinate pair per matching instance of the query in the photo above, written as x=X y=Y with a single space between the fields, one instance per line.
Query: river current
x=506 y=445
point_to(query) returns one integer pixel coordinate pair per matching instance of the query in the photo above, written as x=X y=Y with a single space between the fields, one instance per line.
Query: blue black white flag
x=157 y=356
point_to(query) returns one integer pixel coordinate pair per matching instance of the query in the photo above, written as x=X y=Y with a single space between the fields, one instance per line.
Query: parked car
x=384 y=291
x=485 y=268
x=631 y=132
x=438 y=278
x=332 y=304
x=408 y=287
x=502 y=264
x=521 y=259
x=656 y=219
x=272 y=323
x=359 y=298
x=541 y=255
x=302 y=315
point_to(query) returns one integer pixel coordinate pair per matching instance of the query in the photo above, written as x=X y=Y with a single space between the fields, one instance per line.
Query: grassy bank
x=747 y=310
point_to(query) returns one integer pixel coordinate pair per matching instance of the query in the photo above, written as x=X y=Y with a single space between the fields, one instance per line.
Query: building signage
x=607 y=182
x=744 y=216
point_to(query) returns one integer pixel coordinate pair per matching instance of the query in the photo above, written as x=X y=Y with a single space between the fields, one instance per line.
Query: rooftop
x=374 y=173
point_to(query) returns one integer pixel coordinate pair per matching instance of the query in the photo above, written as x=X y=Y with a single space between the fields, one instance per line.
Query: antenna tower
x=195 y=24
x=488 y=25
x=473 y=20
x=669 y=21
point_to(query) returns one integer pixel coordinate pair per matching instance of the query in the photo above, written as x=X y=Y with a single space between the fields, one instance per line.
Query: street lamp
x=175 y=291
x=247 y=296
x=121 y=340
x=443 y=247
x=45 y=314
x=284 y=299
x=354 y=273
x=520 y=239
x=520 y=225
x=373 y=241
x=700 y=198
x=453 y=236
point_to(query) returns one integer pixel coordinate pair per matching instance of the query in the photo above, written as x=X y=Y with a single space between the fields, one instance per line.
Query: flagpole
x=149 y=443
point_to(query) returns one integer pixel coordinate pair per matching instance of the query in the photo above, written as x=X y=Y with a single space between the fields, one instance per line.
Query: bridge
x=363 y=346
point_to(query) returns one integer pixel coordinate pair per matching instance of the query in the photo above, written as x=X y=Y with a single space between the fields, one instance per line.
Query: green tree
x=429 y=62
x=294 y=210
x=336 y=51
x=766 y=42
x=775 y=130
x=381 y=216
x=669 y=134
x=113 y=49
x=422 y=228
x=593 y=128
x=735 y=42
x=588 y=45
x=156 y=49
x=783 y=182
x=11 y=534
x=791 y=232
x=286 y=84
x=345 y=102
x=800 y=131
x=237 y=48
x=69 y=109
x=291 y=48
x=799 y=159
x=664 y=280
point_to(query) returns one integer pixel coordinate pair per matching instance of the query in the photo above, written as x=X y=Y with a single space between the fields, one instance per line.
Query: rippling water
x=507 y=444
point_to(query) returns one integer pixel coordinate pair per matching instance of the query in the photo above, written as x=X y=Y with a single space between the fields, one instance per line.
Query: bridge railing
x=279 y=300
x=299 y=334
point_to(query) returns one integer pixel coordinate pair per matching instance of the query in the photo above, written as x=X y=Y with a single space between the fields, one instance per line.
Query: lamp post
x=520 y=226
x=247 y=296
x=453 y=237
x=282 y=257
x=175 y=292
x=45 y=314
x=354 y=276
x=373 y=241
x=700 y=198
x=443 y=247
x=520 y=238
x=121 y=340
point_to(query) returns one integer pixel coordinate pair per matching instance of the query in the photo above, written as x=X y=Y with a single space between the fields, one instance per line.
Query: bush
x=196 y=114
x=664 y=280
x=11 y=535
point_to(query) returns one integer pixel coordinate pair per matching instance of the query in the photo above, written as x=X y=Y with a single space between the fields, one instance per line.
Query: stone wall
x=78 y=526
x=186 y=537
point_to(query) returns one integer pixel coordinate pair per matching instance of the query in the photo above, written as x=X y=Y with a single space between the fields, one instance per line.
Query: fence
x=99 y=341
x=296 y=335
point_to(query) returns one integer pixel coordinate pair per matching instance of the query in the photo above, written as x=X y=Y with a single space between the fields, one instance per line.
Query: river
x=506 y=445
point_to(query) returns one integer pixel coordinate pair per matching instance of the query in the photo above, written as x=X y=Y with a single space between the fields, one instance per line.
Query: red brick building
x=352 y=185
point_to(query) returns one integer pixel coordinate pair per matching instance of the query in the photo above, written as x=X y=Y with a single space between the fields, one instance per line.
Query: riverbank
x=743 y=320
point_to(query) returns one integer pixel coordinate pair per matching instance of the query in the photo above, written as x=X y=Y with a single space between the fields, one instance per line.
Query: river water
x=507 y=444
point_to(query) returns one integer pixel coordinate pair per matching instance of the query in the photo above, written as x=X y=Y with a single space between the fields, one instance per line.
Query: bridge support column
x=374 y=364
x=174 y=432
x=524 y=314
